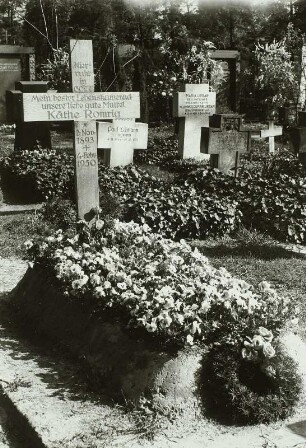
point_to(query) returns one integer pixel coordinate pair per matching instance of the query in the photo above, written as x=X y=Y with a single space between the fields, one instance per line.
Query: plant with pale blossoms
x=259 y=347
x=164 y=287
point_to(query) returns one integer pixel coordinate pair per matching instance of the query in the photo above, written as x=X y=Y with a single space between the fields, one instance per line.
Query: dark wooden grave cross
x=225 y=140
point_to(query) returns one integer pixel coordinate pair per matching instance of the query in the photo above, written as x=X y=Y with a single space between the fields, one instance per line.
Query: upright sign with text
x=120 y=138
x=84 y=107
x=193 y=107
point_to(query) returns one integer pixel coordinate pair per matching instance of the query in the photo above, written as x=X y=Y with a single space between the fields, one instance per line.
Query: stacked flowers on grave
x=171 y=293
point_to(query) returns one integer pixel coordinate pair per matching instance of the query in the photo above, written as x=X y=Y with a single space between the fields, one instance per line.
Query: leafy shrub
x=240 y=391
x=183 y=166
x=268 y=199
x=161 y=149
x=162 y=287
x=38 y=174
x=198 y=202
x=272 y=165
x=123 y=181
x=180 y=212
x=59 y=213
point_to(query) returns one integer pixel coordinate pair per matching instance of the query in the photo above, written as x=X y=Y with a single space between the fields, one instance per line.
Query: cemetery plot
x=193 y=108
x=119 y=139
x=225 y=140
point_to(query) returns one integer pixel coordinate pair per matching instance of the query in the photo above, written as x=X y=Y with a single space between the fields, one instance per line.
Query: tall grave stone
x=120 y=138
x=27 y=135
x=225 y=140
x=15 y=63
x=83 y=106
x=193 y=108
x=298 y=137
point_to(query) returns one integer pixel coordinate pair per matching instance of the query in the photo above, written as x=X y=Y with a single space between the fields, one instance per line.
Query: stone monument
x=193 y=108
x=15 y=63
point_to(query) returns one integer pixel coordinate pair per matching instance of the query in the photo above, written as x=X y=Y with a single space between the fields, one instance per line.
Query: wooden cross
x=271 y=132
x=84 y=107
x=120 y=138
x=225 y=141
x=193 y=107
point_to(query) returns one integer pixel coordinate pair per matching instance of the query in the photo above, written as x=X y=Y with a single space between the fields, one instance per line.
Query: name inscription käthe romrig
x=80 y=106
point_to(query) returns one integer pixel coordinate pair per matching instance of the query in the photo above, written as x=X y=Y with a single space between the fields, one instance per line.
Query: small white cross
x=271 y=132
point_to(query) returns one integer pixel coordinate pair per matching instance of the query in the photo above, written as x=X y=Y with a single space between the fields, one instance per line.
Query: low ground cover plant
x=183 y=212
x=198 y=202
x=268 y=198
x=38 y=174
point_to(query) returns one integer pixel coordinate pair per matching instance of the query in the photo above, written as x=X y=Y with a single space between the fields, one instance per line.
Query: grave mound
x=122 y=363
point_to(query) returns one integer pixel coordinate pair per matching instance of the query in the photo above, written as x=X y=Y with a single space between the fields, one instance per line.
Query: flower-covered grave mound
x=164 y=287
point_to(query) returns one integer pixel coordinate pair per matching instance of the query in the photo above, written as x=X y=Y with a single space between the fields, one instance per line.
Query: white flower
x=268 y=351
x=76 y=269
x=266 y=334
x=258 y=342
x=122 y=286
x=28 y=244
x=189 y=339
x=107 y=285
x=99 y=292
x=99 y=224
x=195 y=328
x=95 y=279
x=205 y=306
x=264 y=286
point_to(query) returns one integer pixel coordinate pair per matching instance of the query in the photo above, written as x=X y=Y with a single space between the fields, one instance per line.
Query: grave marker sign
x=84 y=107
x=298 y=138
x=225 y=140
x=271 y=132
x=119 y=139
x=193 y=107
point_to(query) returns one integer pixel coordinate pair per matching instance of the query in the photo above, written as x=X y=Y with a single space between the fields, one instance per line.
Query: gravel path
x=11 y=271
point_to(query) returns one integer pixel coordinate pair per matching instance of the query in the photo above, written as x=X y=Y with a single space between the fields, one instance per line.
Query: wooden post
x=85 y=137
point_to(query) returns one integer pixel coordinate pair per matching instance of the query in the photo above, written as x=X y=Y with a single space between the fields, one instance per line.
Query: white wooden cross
x=193 y=107
x=84 y=107
x=271 y=132
x=120 y=138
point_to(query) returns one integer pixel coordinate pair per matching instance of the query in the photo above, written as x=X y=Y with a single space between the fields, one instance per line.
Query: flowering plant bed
x=142 y=310
x=163 y=287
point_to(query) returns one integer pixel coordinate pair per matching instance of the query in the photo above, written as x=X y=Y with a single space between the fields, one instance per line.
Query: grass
x=255 y=257
x=14 y=231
